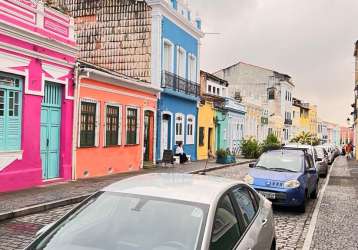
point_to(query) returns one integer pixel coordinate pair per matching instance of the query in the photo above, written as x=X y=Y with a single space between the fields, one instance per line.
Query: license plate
x=268 y=195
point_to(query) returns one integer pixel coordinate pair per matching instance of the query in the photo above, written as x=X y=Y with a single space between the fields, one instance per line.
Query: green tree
x=250 y=148
x=306 y=138
x=271 y=143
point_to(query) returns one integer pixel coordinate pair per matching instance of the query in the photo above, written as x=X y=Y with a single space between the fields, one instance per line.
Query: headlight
x=249 y=179
x=292 y=184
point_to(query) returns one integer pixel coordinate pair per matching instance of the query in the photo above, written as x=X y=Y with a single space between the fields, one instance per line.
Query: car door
x=226 y=231
x=311 y=177
x=256 y=220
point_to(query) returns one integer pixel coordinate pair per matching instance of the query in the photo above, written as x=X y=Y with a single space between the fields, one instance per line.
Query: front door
x=148 y=143
x=50 y=130
x=165 y=134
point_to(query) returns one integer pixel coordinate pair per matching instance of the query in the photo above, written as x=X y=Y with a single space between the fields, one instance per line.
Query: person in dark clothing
x=180 y=152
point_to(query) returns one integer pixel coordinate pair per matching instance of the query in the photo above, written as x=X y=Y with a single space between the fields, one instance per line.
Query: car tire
x=273 y=245
x=302 y=208
x=314 y=194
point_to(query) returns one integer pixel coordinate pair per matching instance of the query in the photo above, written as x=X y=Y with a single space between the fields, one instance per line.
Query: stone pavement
x=337 y=221
x=59 y=191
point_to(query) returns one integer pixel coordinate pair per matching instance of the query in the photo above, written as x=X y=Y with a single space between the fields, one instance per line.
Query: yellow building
x=253 y=122
x=212 y=90
x=296 y=123
x=206 y=132
x=313 y=120
x=276 y=127
x=304 y=119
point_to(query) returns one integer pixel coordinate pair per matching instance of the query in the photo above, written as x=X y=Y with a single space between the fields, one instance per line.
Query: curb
x=73 y=200
x=311 y=229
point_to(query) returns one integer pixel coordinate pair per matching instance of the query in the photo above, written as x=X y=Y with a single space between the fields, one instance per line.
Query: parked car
x=285 y=177
x=331 y=153
x=166 y=212
x=310 y=150
x=322 y=160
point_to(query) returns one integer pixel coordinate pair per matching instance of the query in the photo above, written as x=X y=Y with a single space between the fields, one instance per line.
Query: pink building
x=347 y=135
x=37 y=58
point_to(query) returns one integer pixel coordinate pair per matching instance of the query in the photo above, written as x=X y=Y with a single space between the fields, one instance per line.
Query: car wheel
x=302 y=208
x=314 y=194
x=273 y=245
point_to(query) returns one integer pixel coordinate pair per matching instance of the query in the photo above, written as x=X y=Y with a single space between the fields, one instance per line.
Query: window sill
x=112 y=146
x=87 y=147
x=14 y=153
x=131 y=145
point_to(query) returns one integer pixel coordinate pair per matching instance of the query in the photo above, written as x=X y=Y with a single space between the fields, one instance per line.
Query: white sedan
x=166 y=212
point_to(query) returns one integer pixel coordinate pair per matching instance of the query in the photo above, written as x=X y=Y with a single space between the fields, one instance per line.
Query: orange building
x=115 y=123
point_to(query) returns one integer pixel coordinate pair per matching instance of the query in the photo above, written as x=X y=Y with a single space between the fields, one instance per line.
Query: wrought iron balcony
x=179 y=84
x=288 y=122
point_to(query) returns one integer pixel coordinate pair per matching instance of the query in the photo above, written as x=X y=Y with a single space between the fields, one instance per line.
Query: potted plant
x=224 y=156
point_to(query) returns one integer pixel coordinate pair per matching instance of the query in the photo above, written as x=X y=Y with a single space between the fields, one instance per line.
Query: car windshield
x=320 y=152
x=111 y=221
x=280 y=161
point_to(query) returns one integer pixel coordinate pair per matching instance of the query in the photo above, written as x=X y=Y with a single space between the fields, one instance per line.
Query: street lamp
x=349 y=124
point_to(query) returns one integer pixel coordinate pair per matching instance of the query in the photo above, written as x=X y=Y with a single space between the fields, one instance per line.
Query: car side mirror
x=44 y=229
x=311 y=171
x=252 y=165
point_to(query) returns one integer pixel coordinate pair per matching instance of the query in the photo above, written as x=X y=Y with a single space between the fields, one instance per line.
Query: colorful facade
x=116 y=123
x=313 y=120
x=211 y=133
x=175 y=64
x=37 y=58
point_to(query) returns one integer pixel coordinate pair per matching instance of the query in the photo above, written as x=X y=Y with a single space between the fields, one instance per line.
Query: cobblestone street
x=291 y=226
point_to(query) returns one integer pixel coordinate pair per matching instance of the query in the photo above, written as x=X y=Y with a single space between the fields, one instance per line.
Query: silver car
x=322 y=160
x=166 y=212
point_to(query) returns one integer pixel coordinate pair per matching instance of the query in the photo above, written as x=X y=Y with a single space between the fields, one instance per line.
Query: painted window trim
x=97 y=122
x=167 y=41
x=179 y=137
x=192 y=56
x=138 y=124
x=181 y=49
x=20 y=90
x=190 y=138
x=120 y=119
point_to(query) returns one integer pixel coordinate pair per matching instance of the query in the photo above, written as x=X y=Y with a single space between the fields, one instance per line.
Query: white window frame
x=190 y=138
x=120 y=119
x=138 y=124
x=183 y=51
x=171 y=59
x=97 y=121
x=192 y=68
x=179 y=137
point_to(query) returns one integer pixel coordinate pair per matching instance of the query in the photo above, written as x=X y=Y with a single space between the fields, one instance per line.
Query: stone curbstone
x=73 y=200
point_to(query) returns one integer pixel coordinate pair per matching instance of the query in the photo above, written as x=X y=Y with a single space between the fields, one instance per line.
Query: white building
x=267 y=89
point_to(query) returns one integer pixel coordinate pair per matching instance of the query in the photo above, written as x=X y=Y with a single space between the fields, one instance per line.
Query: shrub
x=250 y=148
x=221 y=153
x=271 y=143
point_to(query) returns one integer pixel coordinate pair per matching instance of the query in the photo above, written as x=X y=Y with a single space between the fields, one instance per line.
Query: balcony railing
x=288 y=122
x=179 y=84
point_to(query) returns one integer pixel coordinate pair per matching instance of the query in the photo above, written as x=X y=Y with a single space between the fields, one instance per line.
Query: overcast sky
x=311 y=40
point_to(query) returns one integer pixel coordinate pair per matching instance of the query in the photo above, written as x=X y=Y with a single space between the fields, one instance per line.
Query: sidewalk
x=42 y=198
x=337 y=221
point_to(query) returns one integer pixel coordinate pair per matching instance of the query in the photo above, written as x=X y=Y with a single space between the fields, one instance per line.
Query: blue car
x=285 y=177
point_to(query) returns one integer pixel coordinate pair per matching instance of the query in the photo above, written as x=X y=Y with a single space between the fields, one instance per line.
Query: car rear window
x=113 y=221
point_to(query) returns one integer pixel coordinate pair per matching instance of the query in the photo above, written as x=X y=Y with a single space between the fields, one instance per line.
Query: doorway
x=50 y=130
x=148 y=135
x=165 y=132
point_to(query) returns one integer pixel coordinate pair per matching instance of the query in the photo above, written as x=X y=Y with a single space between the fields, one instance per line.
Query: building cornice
x=162 y=7
x=118 y=80
x=36 y=39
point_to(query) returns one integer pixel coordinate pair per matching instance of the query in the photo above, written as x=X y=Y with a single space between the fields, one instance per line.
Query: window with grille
x=201 y=136
x=132 y=120
x=112 y=125
x=88 y=124
x=10 y=111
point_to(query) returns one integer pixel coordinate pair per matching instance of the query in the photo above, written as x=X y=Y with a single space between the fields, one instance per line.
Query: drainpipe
x=76 y=112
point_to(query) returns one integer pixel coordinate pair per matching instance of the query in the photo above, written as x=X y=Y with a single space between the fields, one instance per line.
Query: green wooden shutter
x=10 y=112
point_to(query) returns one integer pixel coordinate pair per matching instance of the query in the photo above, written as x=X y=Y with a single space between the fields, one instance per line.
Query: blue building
x=175 y=65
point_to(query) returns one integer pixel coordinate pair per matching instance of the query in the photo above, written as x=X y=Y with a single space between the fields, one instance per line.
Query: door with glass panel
x=10 y=112
x=50 y=130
